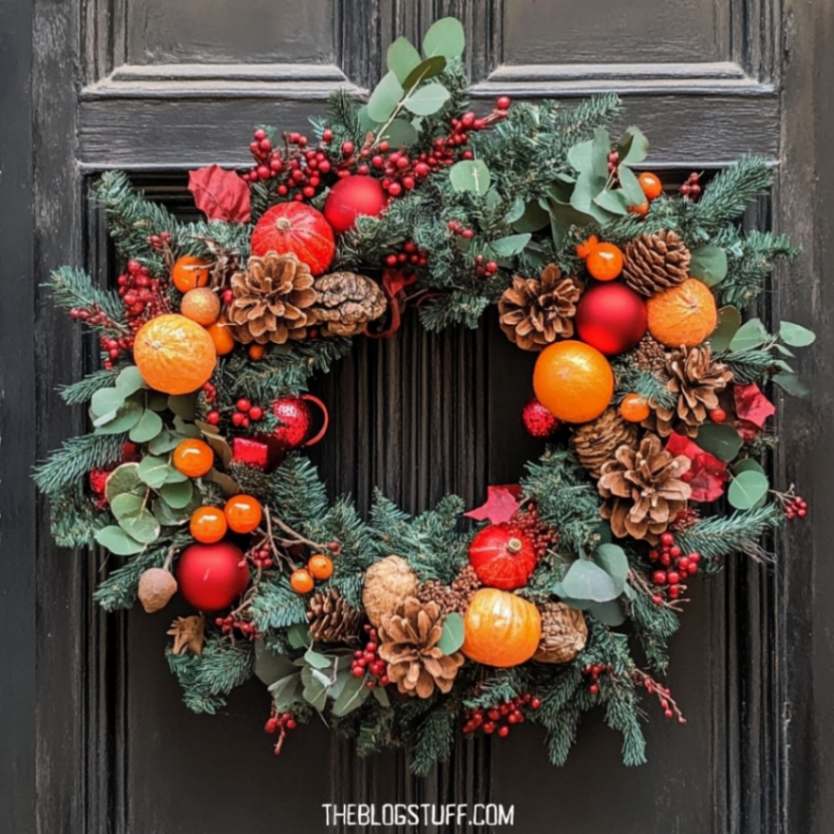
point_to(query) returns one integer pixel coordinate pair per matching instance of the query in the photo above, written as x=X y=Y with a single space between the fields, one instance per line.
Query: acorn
x=156 y=587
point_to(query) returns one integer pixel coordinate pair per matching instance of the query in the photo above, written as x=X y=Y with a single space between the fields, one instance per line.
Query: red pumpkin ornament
x=611 y=317
x=297 y=228
x=212 y=576
x=500 y=628
x=502 y=556
x=350 y=197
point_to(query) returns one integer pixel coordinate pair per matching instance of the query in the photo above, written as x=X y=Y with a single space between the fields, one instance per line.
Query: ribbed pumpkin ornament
x=500 y=628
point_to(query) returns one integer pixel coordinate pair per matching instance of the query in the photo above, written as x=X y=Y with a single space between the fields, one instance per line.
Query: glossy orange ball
x=634 y=408
x=651 y=185
x=222 y=337
x=605 y=262
x=189 y=272
x=243 y=513
x=320 y=566
x=208 y=524
x=301 y=581
x=574 y=381
x=193 y=457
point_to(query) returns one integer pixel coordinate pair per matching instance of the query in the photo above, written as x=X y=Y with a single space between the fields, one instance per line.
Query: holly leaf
x=444 y=37
x=752 y=405
x=220 y=195
x=500 y=505
x=117 y=541
x=747 y=489
x=796 y=335
x=470 y=175
x=452 y=637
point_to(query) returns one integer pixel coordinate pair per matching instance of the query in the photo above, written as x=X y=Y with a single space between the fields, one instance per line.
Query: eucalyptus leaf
x=791 y=384
x=183 y=405
x=751 y=334
x=400 y=133
x=587 y=580
x=269 y=666
x=634 y=146
x=580 y=156
x=613 y=560
x=427 y=99
x=729 y=321
x=143 y=526
x=285 y=691
x=366 y=123
x=167 y=516
x=381 y=696
x=444 y=37
x=515 y=211
x=747 y=465
x=709 y=264
x=126 y=504
x=452 y=637
x=314 y=691
x=185 y=428
x=298 y=636
x=510 y=245
x=470 y=175
x=534 y=218
x=153 y=470
x=123 y=479
x=429 y=68
x=612 y=200
x=747 y=489
x=402 y=57
x=630 y=185
x=609 y=613
x=117 y=541
x=106 y=401
x=148 y=427
x=126 y=418
x=384 y=98
x=719 y=439
x=796 y=335
x=163 y=443
x=316 y=659
x=352 y=696
x=129 y=381
x=174 y=476
x=156 y=400
x=177 y=496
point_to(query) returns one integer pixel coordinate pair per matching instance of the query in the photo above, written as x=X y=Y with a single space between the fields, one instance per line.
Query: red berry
x=347 y=148
x=718 y=415
x=667 y=539
x=503 y=731
x=256 y=413
x=213 y=418
x=503 y=103
x=243 y=405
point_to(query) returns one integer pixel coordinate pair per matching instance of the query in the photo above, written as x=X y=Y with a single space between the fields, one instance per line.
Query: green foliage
x=73 y=287
x=76 y=457
x=80 y=392
x=433 y=740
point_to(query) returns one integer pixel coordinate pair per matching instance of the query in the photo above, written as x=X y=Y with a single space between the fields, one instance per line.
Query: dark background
x=96 y=739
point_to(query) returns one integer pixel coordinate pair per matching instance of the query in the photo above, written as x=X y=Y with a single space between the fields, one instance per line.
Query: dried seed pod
x=156 y=587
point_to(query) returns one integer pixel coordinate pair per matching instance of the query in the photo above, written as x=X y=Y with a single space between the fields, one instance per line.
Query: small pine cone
x=650 y=356
x=594 y=443
x=331 y=619
x=347 y=302
x=564 y=633
x=534 y=312
x=655 y=262
x=454 y=597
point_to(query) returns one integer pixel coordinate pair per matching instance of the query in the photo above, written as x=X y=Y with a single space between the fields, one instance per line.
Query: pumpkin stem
x=283 y=224
x=514 y=545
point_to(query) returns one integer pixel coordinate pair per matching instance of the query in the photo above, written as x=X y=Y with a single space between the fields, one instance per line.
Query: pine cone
x=643 y=489
x=564 y=633
x=649 y=356
x=408 y=643
x=655 y=262
x=272 y=300
x=331 y=619
x=386 y=583
x=596 y=442
x=534 y=312
x=347 y=302
x=454 y=597
x=694 y=380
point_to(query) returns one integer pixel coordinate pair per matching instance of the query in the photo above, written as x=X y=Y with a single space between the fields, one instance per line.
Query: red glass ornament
x=502 y=556
x=350 y=197
x=212 y=576
x=611 y=317
x=538 y=421
x=297 y=228
x=295 y=416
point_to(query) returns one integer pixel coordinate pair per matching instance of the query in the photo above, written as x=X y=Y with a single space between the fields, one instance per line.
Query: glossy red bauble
x=351 y=197
x=294 y=417
x=212 y=576
x=299 y=229
x=502 y=556
x=611 y=317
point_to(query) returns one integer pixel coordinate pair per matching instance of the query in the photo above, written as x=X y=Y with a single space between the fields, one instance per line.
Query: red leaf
x=220 y=195
x=500 y=506
x=752 y=405
x=707 y=475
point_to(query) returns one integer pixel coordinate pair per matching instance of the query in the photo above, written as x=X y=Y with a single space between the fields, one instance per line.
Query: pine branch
x=74 y=520
x=72 y=287
x=77 y=393
x=631 y=379
x=754 y=365
x=75 y=458
x=433 y=741
x=452 y=309
x=297 y=493
x=276 y=605
x=654 y=626
x=750 y=261
x=502 y=685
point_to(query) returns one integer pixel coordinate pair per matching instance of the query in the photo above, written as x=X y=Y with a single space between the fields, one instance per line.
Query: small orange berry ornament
x=640 y=209
x=301 y=581
x=320 y=566
x=189 y=272
x=193 y=457
x=256 y=352
x=174 y=354
x=573 y=380
x=604 y=261
x=651 y=185
x=683 y=315
x=201 y=305
x=243 y=513
x=222 y=337
x=634 y=408
x=208 y=524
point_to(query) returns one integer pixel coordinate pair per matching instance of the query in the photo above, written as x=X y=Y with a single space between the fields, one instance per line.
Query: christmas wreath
x=560 y=594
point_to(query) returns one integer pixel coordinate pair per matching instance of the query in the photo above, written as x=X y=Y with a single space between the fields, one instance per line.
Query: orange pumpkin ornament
x=189 y=272
x=683 y=315
x=500 y=628
x=174 y=354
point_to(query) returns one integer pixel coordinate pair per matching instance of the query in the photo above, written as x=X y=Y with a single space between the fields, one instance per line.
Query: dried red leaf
x=220 y=195
x=752 y=405
x=707 y=475
x=500 y=506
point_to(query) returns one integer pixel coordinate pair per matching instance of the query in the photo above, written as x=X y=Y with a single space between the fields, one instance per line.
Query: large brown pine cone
x=694 y=380
x=346 y=303
x=564 y=633
x=594 y=443
x=534 y=312
x=655 y=262
x=331 y=619
x=408 y=643
x=643 y=489
x=272 y=300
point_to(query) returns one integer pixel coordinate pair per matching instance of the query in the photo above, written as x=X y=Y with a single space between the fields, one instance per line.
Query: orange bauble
x=500 y=628
x=174 y=354
x=320 y=566
x=301 y=581
x=222 y=337
x=189 y=272
x=574 y=381
x=208 y=524
x=201 y=305
x=604 y=261
x=684 y=315
x=243 y=513
x=634 y=408
x=193 y=457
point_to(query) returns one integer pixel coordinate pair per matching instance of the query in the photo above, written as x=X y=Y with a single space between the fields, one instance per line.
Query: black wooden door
x=98 y=740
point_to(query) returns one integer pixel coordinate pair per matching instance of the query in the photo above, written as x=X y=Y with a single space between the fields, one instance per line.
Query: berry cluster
x=542 y=535
x=795 y=507
x=261 y=556
x=675 y=567
x=280 y=723
x=592 y=673
x=409 y=255
x=297 y=171
x=457 y=228
x=691 y=189
x=498 y=719
x=160 y=242
x=245 y=413
x=234 y=622
x=368 y=662
x=662 y=693
x=685 y=519
x=483 y=267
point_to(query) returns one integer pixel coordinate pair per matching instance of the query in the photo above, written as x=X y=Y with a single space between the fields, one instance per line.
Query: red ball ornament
x=295 y=417
x=611 y=317
x=212 y=576
x=502 y=556
x=295 y=228
x=538 y=421
x=350 y=197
